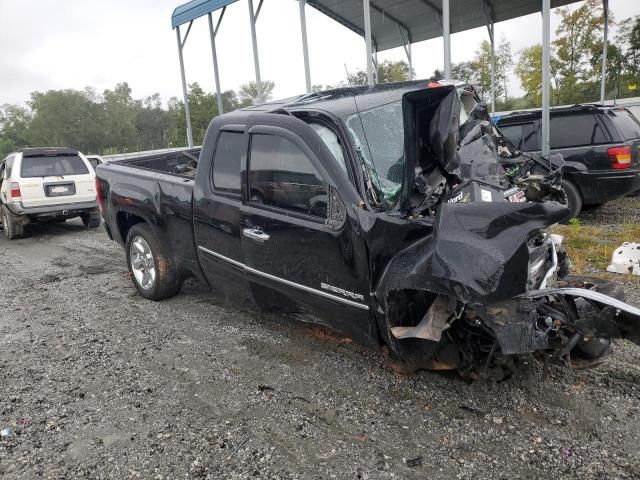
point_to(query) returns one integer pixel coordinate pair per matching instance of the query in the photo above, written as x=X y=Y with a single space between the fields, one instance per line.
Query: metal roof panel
x=195 y=9
x=422 y=18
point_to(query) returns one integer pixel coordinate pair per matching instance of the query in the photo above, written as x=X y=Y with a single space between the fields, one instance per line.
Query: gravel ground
x=96 y=382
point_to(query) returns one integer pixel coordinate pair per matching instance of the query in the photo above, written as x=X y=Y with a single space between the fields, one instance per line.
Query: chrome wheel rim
x=5 y=223
x=142 y=263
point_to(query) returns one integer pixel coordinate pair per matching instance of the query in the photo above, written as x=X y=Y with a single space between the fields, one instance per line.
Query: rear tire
x=91 y=219
x=572 y=198
x=153 y=271
x=12 y=228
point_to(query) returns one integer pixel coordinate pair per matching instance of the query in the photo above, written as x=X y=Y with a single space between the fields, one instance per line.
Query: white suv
x=46 y=184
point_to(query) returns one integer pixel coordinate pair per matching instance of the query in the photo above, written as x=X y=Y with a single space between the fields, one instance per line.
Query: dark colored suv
x=599 y=144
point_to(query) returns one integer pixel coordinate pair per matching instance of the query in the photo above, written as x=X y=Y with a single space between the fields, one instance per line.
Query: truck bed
x=157 y=189
x=182 y=163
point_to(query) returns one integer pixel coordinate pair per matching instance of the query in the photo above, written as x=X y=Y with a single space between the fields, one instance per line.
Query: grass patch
x=590 y=248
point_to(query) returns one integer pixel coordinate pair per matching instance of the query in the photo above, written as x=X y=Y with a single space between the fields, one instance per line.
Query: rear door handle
x=255 y=235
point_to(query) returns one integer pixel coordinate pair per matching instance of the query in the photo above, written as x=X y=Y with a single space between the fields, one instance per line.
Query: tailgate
x=45 y=191
x=47 y=180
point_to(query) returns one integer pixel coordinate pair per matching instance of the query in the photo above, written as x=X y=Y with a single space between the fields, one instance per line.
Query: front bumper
x=65 y=209
x=605 y=185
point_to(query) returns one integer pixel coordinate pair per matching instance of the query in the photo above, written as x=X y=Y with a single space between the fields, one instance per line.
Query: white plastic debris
x=626 y=259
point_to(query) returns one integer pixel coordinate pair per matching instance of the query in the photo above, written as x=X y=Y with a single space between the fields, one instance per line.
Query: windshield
x=52 y=166
x=379 y=137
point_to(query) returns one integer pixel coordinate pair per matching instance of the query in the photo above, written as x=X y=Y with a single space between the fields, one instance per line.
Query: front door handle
x=255 y=235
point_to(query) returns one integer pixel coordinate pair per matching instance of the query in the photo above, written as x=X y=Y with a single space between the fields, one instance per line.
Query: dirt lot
x=96 y=382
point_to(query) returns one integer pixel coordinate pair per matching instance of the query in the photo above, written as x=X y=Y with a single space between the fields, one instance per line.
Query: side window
x=8 y=167
x=281 y=175
x=226 y=162
x=575 y=131
x=530 y=137
x=513 y=133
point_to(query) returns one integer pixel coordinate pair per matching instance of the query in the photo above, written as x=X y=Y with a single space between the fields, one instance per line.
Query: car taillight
x=15 y=190
x=620 y=157
x=98 y=194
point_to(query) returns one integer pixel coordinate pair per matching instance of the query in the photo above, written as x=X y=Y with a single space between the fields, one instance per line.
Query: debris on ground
x=626 y=259
x=414 y=462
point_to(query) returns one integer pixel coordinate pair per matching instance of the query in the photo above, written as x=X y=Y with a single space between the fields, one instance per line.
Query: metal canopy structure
x=422 y=19
x=387 y=24
x=187 y=13
x=196 y=9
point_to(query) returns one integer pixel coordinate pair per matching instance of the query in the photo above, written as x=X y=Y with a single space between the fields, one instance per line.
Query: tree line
x=114 y=122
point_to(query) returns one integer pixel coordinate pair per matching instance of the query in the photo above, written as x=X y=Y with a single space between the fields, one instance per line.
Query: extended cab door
x=301 y=251
x=216 y=212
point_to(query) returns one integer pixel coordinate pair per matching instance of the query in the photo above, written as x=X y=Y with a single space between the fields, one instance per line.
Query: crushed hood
x=477 y=252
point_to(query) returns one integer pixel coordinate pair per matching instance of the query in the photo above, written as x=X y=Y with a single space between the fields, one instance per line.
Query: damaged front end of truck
x=486 y=283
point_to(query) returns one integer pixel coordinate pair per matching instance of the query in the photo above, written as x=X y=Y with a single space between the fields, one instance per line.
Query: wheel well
x=125 y=221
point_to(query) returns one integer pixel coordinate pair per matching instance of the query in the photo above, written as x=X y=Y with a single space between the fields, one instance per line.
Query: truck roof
x=339 y=101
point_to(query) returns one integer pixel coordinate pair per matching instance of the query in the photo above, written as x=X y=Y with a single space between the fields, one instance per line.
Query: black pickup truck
x=394 y=214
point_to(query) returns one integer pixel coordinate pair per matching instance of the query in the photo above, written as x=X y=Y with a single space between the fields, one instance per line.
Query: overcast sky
x=56 y=44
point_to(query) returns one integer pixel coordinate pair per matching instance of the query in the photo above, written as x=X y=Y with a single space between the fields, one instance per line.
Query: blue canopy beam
x=187 y=13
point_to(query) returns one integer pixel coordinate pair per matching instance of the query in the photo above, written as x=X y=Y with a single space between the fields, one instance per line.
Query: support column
x=184 y=90
x=254 y=41
x=603 y=83
x=367 y=39
x=546 y=45
x=305 y=45
x=493 y=68
x=446 y=35
x=406 y=44
x=216 y=75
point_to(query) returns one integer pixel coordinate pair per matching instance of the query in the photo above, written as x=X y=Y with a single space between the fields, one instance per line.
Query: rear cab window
x=52 y=166
x=226 y=162
x=282 y=176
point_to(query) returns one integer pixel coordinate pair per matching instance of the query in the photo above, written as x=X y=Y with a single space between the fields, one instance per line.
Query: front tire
x=571 y=198
x=153 y=271
x=12 y=228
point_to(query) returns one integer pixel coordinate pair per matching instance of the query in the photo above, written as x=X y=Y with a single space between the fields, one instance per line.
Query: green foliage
x=478 y=70
x=14 y=124
x=248 y=93
x=577 y=36
x=529 y=71
x=203 y=107
x=576 y=58
x=113 y=122
x=387 y=72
